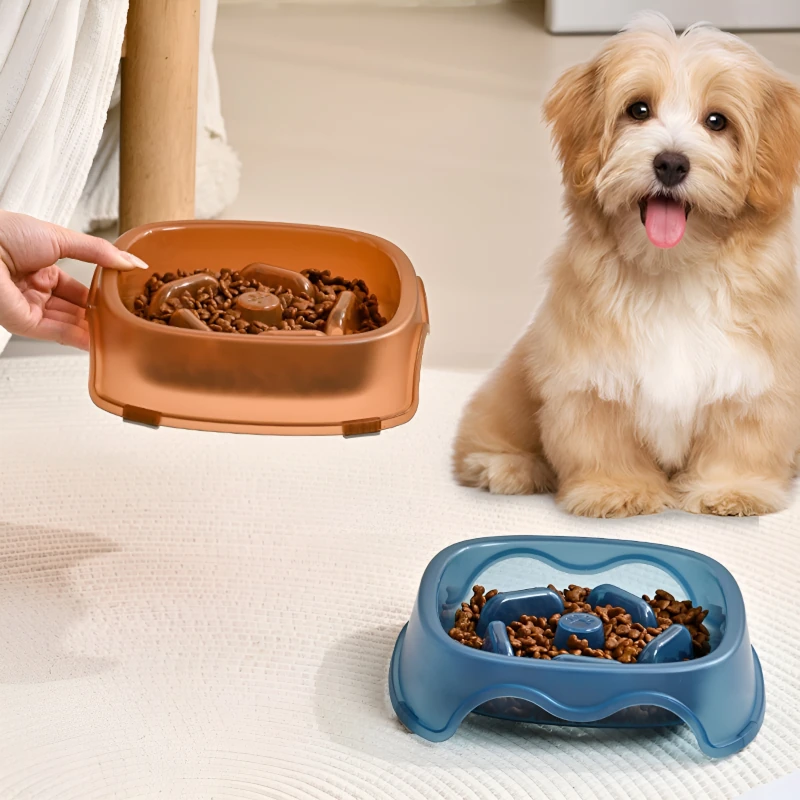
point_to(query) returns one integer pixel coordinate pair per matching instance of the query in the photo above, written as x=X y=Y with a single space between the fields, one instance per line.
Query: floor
x=149 y=645
x=193 y=617
x=421 y=125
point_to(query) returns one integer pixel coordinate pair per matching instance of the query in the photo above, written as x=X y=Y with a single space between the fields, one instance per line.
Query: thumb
x=92 y=249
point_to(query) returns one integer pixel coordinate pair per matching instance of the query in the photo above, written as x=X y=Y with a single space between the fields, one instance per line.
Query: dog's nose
x=671 y=168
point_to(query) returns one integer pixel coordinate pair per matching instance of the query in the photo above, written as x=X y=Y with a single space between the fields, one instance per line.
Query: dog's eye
x=638 y=110
x=716 y=121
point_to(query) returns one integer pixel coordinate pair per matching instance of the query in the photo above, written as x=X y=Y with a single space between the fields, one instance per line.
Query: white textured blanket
x=190 y=615
x=58 y=61
x=59 y=114
x=218 y=168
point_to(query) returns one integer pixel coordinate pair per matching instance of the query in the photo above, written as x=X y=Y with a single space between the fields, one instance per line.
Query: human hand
x=37 y=298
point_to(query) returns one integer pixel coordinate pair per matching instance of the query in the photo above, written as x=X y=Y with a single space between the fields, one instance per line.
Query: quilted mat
x=193 y=615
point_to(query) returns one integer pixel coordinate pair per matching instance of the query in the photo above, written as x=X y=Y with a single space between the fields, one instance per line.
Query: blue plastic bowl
x=434 y=681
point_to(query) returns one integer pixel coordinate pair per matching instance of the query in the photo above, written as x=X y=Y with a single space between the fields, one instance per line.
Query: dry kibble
x=670 y=611
x=532 y=637
x=216 y=306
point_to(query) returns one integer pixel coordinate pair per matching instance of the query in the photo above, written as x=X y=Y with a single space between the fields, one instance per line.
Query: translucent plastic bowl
x=161 y=375
x=434 y=681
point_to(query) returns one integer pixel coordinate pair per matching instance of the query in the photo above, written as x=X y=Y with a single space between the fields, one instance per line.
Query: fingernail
x=131 y=260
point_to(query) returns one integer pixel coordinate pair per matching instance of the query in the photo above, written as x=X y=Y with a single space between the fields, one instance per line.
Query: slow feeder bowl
x=163 y=375
x=434 y=681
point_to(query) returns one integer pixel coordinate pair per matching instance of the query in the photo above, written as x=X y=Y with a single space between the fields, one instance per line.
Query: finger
x=15 y=310
x=63 y=316
x=92 y=249
x=71 y=290
x=57 y=304
x=65 y=333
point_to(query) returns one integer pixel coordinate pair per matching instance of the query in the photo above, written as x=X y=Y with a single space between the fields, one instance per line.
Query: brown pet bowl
x=280 y=384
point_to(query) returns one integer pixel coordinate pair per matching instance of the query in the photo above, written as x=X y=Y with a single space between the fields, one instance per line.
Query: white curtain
x=217 y=165
x=383 y=3
x=59 y=113
x=58 y=61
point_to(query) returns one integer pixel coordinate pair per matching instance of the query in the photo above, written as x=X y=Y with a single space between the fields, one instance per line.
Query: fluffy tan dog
x=663 y=369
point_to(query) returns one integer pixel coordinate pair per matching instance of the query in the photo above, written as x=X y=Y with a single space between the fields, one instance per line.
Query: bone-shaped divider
x=496 y=639
x=193 y=284
x=278 y=278
x=609 y=595
x=672 y=645
x=344 y=315
x=509 y=606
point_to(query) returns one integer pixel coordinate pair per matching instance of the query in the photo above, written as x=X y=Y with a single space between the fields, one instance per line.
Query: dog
x=663 y=368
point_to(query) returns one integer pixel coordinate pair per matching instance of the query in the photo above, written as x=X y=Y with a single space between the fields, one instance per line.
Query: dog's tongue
x=665 y=221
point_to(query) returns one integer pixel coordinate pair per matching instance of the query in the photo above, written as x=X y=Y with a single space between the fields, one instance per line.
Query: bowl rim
x=515 y=545
x=105 y=284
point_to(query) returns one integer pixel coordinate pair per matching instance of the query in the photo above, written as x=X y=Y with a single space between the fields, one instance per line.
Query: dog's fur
x=659 y=378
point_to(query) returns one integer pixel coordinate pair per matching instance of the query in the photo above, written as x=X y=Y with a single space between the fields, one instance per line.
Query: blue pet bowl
x=434 y=681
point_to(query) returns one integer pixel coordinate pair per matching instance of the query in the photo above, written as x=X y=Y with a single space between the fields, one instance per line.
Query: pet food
x=533 y=637
x=260 y=299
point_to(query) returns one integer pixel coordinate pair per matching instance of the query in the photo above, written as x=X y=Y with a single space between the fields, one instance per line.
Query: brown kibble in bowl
x=532 y=637
x=281 y=300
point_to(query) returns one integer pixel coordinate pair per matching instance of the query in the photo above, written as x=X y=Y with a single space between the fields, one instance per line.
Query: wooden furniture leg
x=158 y=128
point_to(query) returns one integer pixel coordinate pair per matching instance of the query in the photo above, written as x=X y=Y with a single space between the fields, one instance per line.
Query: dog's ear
x=777 y=156
x=573 y=109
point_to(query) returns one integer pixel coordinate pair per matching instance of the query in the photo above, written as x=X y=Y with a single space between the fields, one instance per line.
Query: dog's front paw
x=742 y=497
x=506 y=473
x=608 y=497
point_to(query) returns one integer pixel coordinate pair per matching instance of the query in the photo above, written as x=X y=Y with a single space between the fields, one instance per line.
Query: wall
x=607 y=16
